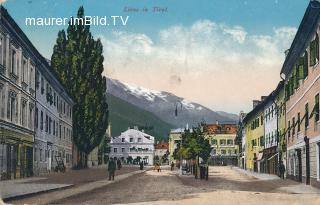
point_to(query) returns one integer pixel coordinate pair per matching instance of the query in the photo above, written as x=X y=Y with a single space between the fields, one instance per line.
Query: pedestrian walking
x=111 y=169
x=141 y=165
x=119 y=164
x=172 y=166
x=282 y=170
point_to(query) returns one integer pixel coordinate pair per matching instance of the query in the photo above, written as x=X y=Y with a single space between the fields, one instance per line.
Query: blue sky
x=192 y=46
x=258 y=16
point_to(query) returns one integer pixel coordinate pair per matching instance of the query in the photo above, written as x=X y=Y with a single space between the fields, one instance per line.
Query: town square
x=205 y=102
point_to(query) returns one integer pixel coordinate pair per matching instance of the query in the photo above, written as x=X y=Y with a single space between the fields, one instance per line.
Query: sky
x=221 y=54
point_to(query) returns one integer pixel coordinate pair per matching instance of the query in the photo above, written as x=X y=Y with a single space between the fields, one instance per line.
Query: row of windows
x=42 y=155
x=222 y=151
x=257 y=142
x=51 y=126
x=18 y=63
x=300 y=69
x=132 y=149
x=295 y=123
x=222 y=142
x=25 y=117
x=131 y=139
x=257 y=122
x=52 y=97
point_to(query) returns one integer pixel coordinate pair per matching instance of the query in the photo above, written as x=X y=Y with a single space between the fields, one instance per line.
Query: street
x=226 y=185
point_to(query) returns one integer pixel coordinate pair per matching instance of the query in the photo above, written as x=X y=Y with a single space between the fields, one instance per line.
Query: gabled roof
x=222 y=129
x=304 y=34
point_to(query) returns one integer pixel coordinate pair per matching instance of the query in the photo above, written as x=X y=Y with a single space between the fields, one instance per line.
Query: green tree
x=78 y=62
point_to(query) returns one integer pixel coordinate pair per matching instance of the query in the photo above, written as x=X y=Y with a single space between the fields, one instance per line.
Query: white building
x=53 y=121
x=270 y=158
x=133 y=143
x=18 y=60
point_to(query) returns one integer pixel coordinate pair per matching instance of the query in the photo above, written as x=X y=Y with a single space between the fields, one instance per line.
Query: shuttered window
x=314 y=51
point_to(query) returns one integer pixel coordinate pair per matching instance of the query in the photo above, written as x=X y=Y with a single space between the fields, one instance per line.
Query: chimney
x=135 y=127
x=217 y=122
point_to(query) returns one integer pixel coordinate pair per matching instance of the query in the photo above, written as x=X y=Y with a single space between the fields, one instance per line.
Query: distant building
x=133 y=144
x=161 y=149
x=174 y=139
x=222 y=139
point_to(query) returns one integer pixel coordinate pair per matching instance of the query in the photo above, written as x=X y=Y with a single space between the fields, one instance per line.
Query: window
x=123 y=149
x=42 y=85
x=131 y=139
x=289 y=131
x=303 y=66
x=316 y=108
x=31 y=76
x=214 y=142
x=139 y=140
x=1 y=49
x=30 y=120
x=298 y=122
x=50 y=121
x=261 y=119
x=40 y=155
x=261 y=141
x=54 y=128
x=64 y=132
x=47 y=123
x=230 y=142
x=54 y=98
x=293 y=126
x=307 y=116
x=314 y=51
x=115 y=150
x=2 y=100
x=12 y=107
x=14 y=61
x=64 y=107
x=24 y=70
x=23 y=112
x=60 y=130
x=222 y=142
x=122 y=140
x=41 y=121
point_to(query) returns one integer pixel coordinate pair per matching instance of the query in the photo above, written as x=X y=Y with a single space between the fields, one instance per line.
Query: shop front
x=16 y=154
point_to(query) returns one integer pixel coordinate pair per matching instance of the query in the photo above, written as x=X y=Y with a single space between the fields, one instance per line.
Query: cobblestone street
x=226 y=185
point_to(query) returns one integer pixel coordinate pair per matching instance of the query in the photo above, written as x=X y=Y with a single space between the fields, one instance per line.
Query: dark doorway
x=306 y=139
x=299 y=165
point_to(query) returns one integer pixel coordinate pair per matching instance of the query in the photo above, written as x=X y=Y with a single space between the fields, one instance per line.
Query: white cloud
x=223 y=67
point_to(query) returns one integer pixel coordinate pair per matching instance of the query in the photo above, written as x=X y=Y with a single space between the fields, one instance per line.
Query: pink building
x=302 y=86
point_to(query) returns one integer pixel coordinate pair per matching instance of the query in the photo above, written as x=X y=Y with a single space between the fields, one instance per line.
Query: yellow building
x=222 y=140
x=174 y=138
x=254 y=137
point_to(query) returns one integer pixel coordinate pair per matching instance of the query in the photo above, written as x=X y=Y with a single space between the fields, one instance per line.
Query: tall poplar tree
x=78 y=62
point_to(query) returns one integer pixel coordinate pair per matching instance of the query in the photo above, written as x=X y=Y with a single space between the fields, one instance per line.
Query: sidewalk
x=288 y=185
x=17 y=189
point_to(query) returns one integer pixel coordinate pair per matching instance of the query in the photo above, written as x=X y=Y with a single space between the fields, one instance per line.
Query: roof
x=303 y=36
x=222 y=129
x=177 y=130
x=42 y=62
x=162 y=145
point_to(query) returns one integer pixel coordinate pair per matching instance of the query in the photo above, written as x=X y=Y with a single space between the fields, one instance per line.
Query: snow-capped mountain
x=163 y=105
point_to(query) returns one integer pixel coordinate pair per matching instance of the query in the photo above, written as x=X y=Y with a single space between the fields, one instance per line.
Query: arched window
x=314 y=51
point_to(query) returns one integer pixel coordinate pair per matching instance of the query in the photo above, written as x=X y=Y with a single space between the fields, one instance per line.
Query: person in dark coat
x=119 y=164
x=282 y=170
x=141 y=165
x=111 y=169
x=172 y=166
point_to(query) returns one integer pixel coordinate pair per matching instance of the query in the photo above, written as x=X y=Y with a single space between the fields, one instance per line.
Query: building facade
x=18 y=60
x=254 y=128
x=174 y=139
x=53 y=122
x=161 y=151
x=133 y=144
x=222 y=140
x=302 y=85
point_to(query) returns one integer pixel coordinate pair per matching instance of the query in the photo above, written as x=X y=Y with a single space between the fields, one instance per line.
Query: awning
x=260 y=155
x=273 y=156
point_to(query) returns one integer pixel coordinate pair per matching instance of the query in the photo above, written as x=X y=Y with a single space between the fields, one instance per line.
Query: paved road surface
x=225 y=186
